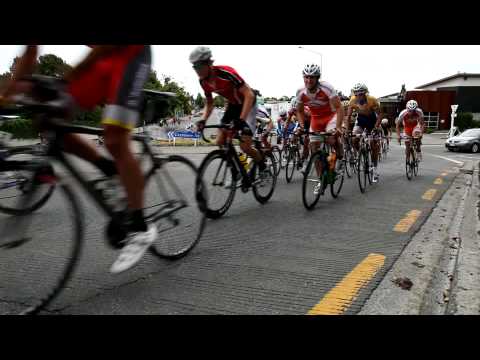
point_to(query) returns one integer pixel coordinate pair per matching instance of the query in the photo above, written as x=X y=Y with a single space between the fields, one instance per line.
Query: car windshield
x=472 y=132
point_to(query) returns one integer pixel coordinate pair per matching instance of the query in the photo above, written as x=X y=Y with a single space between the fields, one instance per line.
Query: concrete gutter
x=442 y=260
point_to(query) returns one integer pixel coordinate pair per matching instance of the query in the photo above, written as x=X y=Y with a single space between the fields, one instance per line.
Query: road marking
x=429 y=194
x=448 y=159
x=438 y=181
x=405 y=224
x=337 y=300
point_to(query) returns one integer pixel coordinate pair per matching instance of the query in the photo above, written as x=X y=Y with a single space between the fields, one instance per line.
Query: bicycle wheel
x=362 y=170
x=409 y=167
x=216 y=175
x=14 y=185
x=291 y=165
x=264 y=184
x=347 y=155
x=39 y=251
x=415 y=165
x=277 y=154
x=337 y=184
x=176 y=204
x=313 y=186
x=369 y=166
x=284 y=157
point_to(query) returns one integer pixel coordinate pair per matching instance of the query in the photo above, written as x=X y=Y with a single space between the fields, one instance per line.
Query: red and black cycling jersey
x=224 y=81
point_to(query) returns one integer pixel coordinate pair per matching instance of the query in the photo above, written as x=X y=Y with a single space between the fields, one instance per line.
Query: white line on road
x=446 y=158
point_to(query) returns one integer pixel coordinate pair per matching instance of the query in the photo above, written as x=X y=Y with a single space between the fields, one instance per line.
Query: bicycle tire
x=210 y=212
x=38 y=302
x=337 y=184
x=362 y=171
x=277 y=153
x=408 y=167
x=186 y=237
x=308 y=178
x=291 y=165
x=271 y=169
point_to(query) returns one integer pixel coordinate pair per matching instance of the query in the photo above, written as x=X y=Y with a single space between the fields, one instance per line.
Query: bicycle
x=179 y=216
x=227 y=170
x=411 y=161
x=364 y=160
x=294 y=158
x=320 y=174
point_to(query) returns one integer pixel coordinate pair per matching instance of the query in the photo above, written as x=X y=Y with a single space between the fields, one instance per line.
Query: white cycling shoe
x=137 y=244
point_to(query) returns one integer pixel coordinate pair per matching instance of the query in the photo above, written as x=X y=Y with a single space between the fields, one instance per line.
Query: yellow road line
x=337 y=300
x=438 y=181
x=405 y=224
x=429 y=194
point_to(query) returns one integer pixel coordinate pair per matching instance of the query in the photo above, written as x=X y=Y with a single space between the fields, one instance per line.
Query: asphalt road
x=276 y=258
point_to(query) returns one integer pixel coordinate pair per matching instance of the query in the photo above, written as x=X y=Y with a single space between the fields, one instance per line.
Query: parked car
x=469 y=140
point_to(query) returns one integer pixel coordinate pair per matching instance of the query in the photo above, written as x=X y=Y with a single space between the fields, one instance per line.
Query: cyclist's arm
x=93 y=56
x=349 y=116
x=207 y=111
x=249 y=99
x=337 y=104
x=397 y=127
x=25 y=66
x=301 y=115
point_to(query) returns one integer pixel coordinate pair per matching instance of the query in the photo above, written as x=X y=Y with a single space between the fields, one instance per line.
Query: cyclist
x=264 y=123
x=305 y=139
x=113 y=75
x=281 y=121
x=387 y=129
x=326 y=111
x=412 y=120
x=368 y=118
x=241 y=108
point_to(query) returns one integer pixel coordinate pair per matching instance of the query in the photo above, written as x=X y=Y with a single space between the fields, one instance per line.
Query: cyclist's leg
x=122 y=113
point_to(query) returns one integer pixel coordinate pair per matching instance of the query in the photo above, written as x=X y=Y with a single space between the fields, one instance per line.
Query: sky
x=276 y=70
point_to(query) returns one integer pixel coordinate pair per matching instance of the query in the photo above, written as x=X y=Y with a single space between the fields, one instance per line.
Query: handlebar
x=218 y=126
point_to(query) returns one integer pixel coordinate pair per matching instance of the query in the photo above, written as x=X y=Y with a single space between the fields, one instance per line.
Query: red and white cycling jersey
x=410 y=119
x=224 y=81
x=319 y=104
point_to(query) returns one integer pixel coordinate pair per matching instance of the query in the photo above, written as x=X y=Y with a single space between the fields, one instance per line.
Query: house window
x=431 y=119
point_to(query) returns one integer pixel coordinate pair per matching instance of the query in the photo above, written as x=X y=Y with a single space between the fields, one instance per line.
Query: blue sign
x=186 y=134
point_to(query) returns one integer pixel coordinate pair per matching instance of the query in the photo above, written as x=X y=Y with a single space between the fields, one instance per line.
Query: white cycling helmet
x=311 y=70
x=293 y=103
x=412 y=105
x=359 y=88
x=200 y=53
x=283 y=113
x=384 y=121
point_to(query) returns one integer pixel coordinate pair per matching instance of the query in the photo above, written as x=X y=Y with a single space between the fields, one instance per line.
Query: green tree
x=199 y=101
x=52 y=65
x=219 y=101
x=465 y=121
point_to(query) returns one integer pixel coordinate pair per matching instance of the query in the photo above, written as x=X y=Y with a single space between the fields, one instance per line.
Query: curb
x=429 y=260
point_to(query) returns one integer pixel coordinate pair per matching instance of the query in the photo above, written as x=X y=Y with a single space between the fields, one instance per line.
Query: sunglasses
x=199 y=65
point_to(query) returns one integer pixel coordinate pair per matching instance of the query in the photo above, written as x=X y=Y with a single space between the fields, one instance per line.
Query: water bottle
x=243 y=160
x=331 y=161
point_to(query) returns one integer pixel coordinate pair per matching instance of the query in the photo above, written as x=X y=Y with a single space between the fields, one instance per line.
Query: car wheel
x=475 y=148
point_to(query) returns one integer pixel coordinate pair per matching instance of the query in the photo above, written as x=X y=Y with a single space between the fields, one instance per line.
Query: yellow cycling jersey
x=370 y=106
